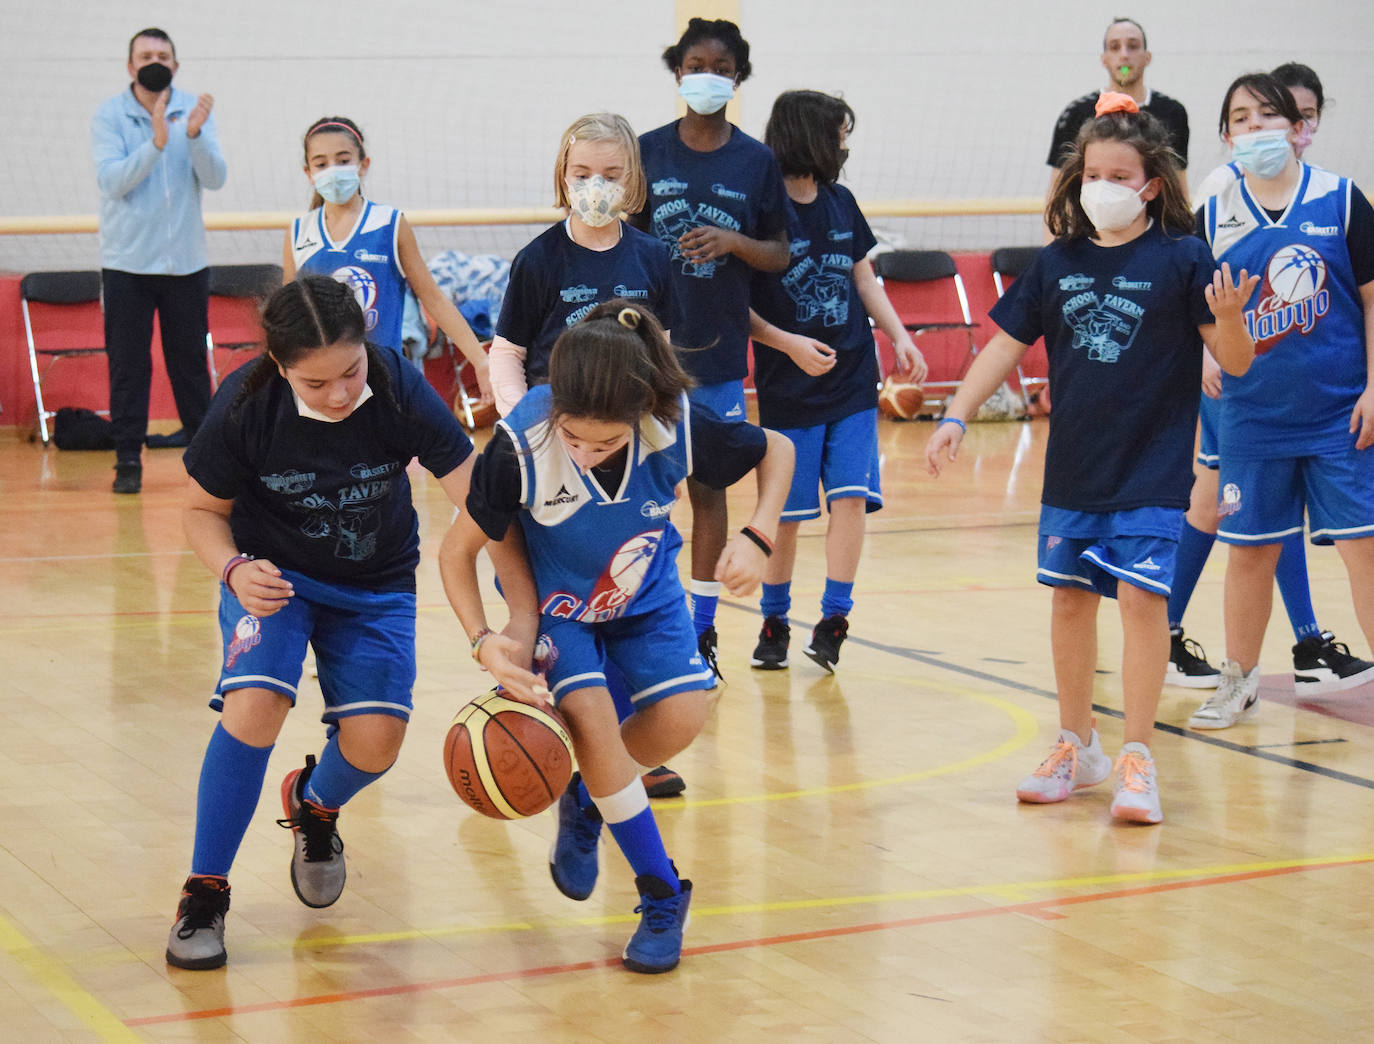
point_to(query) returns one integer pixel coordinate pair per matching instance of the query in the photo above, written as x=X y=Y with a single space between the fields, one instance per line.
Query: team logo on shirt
x=352 y=522
x=365 y=257
x=621 y=290
x=668 y=187
x=1231 y=222
x=364 y=288
x=561 y=497
x=1293 y=296
x=1072 y=284
x=820 y=288
x=615 y=588
x=1104 y=326
x=1309 y=229
x=247 y=633
x=677 y=217
x=653 y=509
x=728 y=193
x=578 y=294
x=290 y=482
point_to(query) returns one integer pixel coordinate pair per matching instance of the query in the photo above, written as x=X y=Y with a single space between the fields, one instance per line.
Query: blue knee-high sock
x=837 y=598
x=776 y=600
x=631 y=822
x=334 y=780
x=1291 y=574
x=705 y=594
x=230 y=782
x=1193 y=548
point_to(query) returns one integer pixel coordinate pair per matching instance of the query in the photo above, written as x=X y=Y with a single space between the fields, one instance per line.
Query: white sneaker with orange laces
x=1071 y=766
x=1136 y=797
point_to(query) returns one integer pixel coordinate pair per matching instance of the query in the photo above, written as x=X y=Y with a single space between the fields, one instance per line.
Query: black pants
x=181 y=304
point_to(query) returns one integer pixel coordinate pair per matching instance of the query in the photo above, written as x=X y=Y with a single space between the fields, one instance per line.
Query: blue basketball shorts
x=1209 y=416
x=841 y=457
x=1262 y=501
x=1096 y=550
x=725 y=400
x=364 y=645
x=656 y=653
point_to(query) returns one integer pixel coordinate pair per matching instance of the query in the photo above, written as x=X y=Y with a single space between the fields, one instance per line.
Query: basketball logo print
x=1296 y=272
x=364 y=287
x=247 y=633
x=623 y=577
x=1230 y=500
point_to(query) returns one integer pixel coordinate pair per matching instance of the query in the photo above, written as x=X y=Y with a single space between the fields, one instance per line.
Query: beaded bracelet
x=955 y=420
x=231 y=565
x=477 y=640
x=762 y=542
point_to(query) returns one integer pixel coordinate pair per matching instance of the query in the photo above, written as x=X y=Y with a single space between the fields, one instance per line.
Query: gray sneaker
x=317 y=865
x=1235 y=699
x=196 y=941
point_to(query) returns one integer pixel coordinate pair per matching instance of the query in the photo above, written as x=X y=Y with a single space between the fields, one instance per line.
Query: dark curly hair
x=720 y=29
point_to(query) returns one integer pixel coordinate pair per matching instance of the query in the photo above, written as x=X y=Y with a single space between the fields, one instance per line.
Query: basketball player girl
x=587 y=465
x=815 y=368
x=369 y=246
x=715 y=196
x=1125 y=297
x=299 y=502
x=1295 y=431
x=1320 y=663
x=589 y=257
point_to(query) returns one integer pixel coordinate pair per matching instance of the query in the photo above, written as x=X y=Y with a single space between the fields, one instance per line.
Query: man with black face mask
x=155 y=149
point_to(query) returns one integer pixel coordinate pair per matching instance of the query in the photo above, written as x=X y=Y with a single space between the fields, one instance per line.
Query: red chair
x=928 y=294
x=236 y=296
x=1008 y=263
x=62 y=319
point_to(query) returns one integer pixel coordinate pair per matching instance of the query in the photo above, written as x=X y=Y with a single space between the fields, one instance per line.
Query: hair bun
x=1115 y=101
x=628 y=318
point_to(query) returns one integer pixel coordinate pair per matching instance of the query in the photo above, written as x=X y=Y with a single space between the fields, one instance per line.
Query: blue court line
x=931 y=660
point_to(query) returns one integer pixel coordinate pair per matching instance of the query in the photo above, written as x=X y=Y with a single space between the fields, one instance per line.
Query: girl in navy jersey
x=715 y=196
x=815 y=368
x=299 y=502
x=368 y=246
x=1125 y=298
x=1286 y=454
x=586 y=466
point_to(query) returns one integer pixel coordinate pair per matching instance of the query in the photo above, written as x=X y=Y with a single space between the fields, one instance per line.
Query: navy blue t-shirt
x=737 y=186
x=554 y=282
x=817 y=297
x=330 y=500
x=1120 y=326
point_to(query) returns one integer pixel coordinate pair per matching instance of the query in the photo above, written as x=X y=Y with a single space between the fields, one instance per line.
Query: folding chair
x=62 y=318
x=236 y=296
x=1009 y=263
x=927 y=292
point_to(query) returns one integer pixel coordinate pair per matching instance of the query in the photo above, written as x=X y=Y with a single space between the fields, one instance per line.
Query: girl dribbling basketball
x=1125 y=297
x=587 y=466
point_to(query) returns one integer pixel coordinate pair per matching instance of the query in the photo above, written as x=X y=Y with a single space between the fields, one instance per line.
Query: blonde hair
x=602 y=126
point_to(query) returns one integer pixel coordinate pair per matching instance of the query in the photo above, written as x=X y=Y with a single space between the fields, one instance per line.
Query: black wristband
x=759 y=540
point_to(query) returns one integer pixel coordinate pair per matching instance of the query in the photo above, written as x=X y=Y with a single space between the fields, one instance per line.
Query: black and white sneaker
x=1321 y=664
x=771 y=652
x=826 y=640
x=707 y=643
x=1188 y=666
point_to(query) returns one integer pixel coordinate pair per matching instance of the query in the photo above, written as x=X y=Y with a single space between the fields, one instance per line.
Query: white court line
x=87 y=558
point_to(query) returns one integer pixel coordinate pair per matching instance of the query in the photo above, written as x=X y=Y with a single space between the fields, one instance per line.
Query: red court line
x=1040 y=908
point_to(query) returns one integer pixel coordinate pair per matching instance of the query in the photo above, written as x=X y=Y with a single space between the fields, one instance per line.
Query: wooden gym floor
x=863 y=871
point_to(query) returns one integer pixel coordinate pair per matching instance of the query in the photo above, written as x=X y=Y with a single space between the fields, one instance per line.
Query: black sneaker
x=317 y=864
x=1188 y=666
x=196 y=942
x=663 y=782
x=1322 y=664
x=826 y=640
x=771 y=652
x=707 y=643
x=128 y=477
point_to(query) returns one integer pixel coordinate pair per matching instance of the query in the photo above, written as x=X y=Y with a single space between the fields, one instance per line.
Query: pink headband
x=342 y=126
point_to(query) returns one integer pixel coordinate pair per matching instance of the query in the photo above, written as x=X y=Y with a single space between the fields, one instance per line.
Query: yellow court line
x=50 y=974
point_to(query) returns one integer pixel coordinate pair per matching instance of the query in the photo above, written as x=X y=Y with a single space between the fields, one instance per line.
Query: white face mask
x=595 y=200
x=1111 y=206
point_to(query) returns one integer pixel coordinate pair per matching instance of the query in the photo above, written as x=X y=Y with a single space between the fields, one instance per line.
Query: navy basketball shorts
x=656 y=653
x=725 y=400
x=364 y=645
x=1262 y=501
x=1209 y=416
x=1095 y=551
x=840 y=457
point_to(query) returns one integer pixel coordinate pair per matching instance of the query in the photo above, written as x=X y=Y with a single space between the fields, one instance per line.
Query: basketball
x=484 y=414
x=507 y=759
x=900 y=400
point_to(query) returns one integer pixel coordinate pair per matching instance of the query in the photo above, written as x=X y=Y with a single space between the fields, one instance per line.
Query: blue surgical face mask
x=706 y=93
x=1263 y=153
x=337 y=184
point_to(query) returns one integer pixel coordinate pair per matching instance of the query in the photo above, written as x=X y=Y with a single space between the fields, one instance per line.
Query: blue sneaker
x=656 y=945
x=573 y=859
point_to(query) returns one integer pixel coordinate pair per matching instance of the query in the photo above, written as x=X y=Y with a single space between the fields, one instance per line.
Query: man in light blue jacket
x=155 y=149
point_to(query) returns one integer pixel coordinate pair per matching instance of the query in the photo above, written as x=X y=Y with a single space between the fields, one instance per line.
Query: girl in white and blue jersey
x=582 y=473
x=1286 y=454
x=1125 y=297
x=368 y=246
